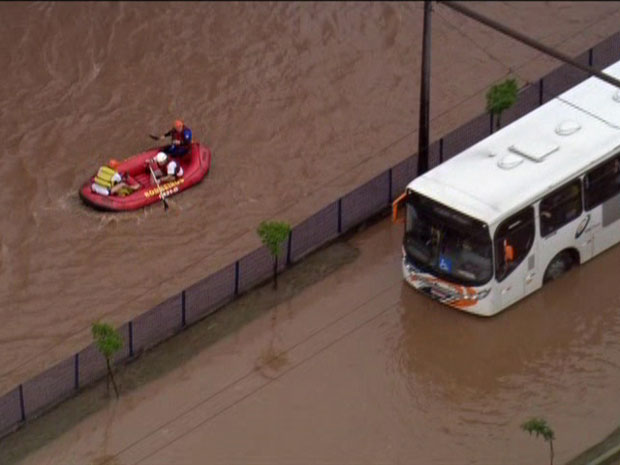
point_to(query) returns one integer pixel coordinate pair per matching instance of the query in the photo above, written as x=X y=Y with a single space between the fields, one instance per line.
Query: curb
x=607 y=457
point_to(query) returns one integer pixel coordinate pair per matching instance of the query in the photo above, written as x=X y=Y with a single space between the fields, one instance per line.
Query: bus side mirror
x=395 y=205
x=509 y=253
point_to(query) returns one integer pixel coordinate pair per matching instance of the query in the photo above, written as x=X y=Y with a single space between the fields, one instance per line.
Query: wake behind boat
x=195 y=164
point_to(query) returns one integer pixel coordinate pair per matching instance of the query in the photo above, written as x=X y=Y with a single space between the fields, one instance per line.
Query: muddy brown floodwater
x=359 y=368
x=300 y=102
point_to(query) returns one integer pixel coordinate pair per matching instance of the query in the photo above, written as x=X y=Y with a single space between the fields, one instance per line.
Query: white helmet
x=161 y=158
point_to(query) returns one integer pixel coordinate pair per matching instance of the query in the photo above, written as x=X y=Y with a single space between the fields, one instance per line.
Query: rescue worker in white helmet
x=165 y=168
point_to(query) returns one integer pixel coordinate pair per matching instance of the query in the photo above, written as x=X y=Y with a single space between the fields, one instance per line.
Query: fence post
x=21 y=402
x=77 y=371
x=340 y=215
x=183 y=321
x=541 y=84
x=288 y=248
x=590 y=57
x=131 y=338
x=390 y=186
x=237 y=277
x=441 y=150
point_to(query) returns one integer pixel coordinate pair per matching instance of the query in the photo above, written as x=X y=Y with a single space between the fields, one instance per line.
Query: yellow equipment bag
x=104 y=176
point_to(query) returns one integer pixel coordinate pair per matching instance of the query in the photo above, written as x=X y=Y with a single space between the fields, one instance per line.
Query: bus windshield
x=446 y=243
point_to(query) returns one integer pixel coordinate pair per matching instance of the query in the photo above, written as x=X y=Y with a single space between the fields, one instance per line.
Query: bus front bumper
x=467 y=298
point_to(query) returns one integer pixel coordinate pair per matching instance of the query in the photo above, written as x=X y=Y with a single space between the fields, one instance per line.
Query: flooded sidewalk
x=346 y=364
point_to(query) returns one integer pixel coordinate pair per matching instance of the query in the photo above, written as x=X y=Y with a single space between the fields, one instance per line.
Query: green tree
x=273 y=234
x=540 y=427
x=500 y=97
x=109 y=341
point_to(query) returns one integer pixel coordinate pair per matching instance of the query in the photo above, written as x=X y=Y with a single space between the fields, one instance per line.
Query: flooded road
x=359 y=368
x=300 y=102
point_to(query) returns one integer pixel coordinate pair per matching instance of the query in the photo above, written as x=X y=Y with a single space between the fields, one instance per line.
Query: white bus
x=521 y=207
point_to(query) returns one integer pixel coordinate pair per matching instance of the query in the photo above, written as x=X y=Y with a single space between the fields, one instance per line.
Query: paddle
x=154 y=137
x=161 y=194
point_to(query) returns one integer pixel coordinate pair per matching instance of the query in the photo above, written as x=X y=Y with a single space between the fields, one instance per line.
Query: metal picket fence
x=63 y=380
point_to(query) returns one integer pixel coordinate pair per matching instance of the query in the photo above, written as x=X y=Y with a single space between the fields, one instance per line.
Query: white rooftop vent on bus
x=534 y=150
x=616 y=96
x=509 y=161
x=568 y=127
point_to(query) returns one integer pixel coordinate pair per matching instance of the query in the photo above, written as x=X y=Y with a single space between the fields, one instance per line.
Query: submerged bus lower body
x=473 y=299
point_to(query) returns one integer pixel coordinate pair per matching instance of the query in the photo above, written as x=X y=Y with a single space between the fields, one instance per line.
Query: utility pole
x=531 y=42
x=425 y=82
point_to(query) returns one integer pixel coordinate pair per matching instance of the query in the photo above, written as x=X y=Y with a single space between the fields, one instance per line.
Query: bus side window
x=602 y=183
x=560 y=207
x=513 y=240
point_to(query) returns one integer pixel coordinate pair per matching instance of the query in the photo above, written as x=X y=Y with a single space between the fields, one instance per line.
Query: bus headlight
x=476 y=295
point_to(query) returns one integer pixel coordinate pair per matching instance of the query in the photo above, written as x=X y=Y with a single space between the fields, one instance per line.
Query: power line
x=531 y=42
x=515 y=72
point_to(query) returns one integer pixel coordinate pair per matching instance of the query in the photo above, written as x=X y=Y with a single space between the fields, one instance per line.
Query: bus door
x=605 y=228
x=602 y=202
x=516 y=267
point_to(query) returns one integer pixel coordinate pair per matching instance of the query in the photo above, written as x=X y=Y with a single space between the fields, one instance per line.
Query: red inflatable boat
x=195 y=163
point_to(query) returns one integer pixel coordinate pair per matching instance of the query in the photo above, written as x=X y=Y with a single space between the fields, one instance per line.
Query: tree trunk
x=498 y=121
x=275 y=272
x=111 y=377
x=551 y=449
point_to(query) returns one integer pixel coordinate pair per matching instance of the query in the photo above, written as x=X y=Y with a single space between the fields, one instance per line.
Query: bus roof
x=536 y=153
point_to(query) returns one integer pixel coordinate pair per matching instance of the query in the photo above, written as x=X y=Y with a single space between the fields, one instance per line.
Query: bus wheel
x=560 y=264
